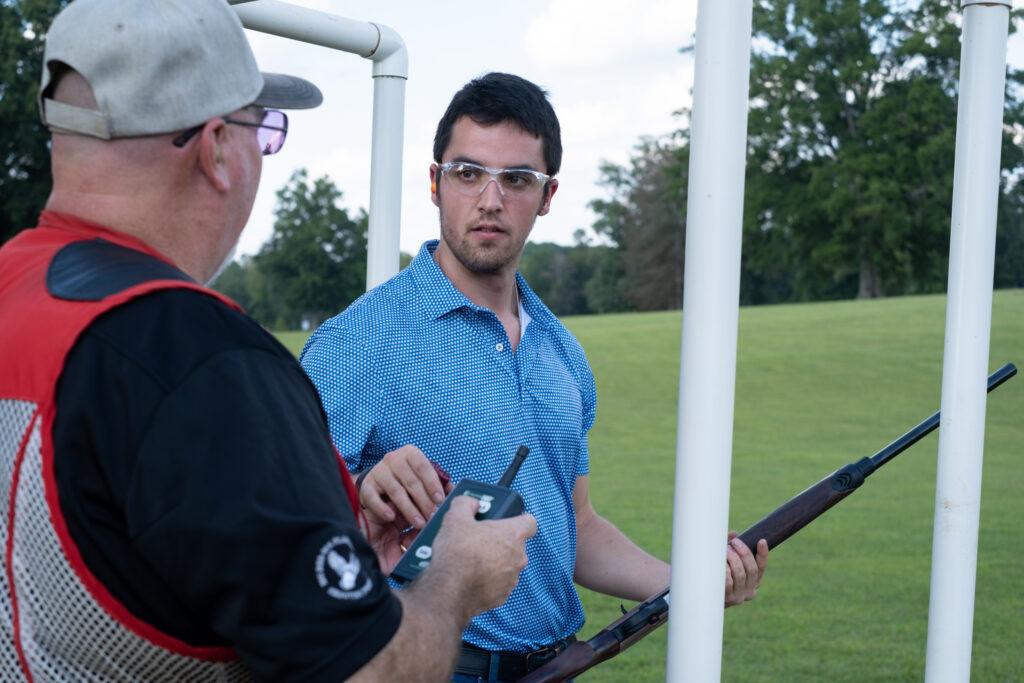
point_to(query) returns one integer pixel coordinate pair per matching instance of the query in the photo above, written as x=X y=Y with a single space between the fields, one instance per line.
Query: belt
x=509 y=666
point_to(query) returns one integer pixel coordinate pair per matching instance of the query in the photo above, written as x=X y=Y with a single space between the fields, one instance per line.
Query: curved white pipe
x=390 y=58
x=308 y=25
x=386 y=49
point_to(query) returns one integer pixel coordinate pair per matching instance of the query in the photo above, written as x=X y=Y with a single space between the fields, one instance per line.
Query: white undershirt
x=524 y=318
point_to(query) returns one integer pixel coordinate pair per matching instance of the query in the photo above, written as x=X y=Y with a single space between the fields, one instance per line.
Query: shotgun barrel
x=805 y=507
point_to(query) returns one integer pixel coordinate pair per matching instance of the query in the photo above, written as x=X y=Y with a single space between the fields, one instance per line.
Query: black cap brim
x=288 y=92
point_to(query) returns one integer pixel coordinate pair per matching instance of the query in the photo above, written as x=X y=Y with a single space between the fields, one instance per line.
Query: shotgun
x=783 y=522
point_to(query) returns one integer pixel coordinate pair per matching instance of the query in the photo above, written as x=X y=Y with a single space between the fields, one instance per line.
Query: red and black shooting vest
x=57 y=621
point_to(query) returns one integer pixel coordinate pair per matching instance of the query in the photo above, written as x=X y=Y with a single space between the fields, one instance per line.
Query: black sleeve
x=240 y=509
x=223 y=495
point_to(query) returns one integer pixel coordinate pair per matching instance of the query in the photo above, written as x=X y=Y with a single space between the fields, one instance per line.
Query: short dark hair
x=496 y=98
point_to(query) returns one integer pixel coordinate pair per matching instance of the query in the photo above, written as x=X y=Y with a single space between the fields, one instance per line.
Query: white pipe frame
x=385 y=48
x=711 y=302
x=714 y=228
x=968 y=326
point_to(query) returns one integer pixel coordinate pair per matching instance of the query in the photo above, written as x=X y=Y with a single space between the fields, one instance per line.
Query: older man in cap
x=172 y=506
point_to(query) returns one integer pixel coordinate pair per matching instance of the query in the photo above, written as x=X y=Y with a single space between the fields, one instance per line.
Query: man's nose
x=491 y=196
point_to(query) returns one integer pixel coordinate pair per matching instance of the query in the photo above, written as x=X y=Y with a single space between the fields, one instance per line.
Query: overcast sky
x=613 y=70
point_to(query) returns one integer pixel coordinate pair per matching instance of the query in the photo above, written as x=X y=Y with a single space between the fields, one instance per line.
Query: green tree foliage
x=316 y=258
x=851 y=135
x=24 y=142
x=555 y=276
x=644 y=218
x=603 y=288
x=1009 y=265
x=314 y=264
x=574 y=280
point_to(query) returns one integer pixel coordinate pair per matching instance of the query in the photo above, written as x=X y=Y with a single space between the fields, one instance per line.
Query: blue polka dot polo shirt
x=414 y=361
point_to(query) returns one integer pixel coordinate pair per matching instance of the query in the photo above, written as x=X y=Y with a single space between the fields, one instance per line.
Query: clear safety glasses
x=471 y=179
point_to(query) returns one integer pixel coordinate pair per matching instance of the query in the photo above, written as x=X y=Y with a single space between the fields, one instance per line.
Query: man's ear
x=549 y=192
x=435 y=178
x=211 y=155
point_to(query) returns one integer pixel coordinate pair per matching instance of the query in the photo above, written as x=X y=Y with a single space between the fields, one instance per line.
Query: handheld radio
x=497 y=501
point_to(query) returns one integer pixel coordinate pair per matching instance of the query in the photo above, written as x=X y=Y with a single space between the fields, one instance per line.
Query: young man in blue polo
x=457 y=361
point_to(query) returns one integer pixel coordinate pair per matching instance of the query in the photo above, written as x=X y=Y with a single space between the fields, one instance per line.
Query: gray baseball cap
x=158 y=66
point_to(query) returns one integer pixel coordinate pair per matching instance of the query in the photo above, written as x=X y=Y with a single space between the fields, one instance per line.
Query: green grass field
x=818 y=385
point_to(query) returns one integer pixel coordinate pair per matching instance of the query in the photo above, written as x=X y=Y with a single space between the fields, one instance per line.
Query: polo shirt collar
x=440 y=297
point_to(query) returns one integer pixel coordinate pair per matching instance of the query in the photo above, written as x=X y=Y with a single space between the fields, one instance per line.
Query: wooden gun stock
x=613 y=639
x=573 y=661
x=783 y=522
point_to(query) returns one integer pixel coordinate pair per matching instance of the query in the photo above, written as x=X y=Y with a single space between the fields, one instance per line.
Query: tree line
x=851 y=131
x=850 y=154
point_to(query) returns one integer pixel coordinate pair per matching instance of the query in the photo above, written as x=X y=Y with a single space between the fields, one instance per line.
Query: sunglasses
x=270 y=132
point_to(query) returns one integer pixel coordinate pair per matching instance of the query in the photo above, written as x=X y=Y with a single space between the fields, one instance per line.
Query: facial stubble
x=483 y=259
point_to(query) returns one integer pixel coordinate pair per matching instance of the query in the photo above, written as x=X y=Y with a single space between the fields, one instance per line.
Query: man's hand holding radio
x=486 y=556
x=476 y=565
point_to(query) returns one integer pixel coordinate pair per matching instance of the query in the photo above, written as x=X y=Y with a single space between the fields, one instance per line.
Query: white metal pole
x=386 y=49
x=968 y=325
x=389 y=75
x=708 y=357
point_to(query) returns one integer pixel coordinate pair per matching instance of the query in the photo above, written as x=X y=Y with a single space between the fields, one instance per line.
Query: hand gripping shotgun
x=786 y=520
